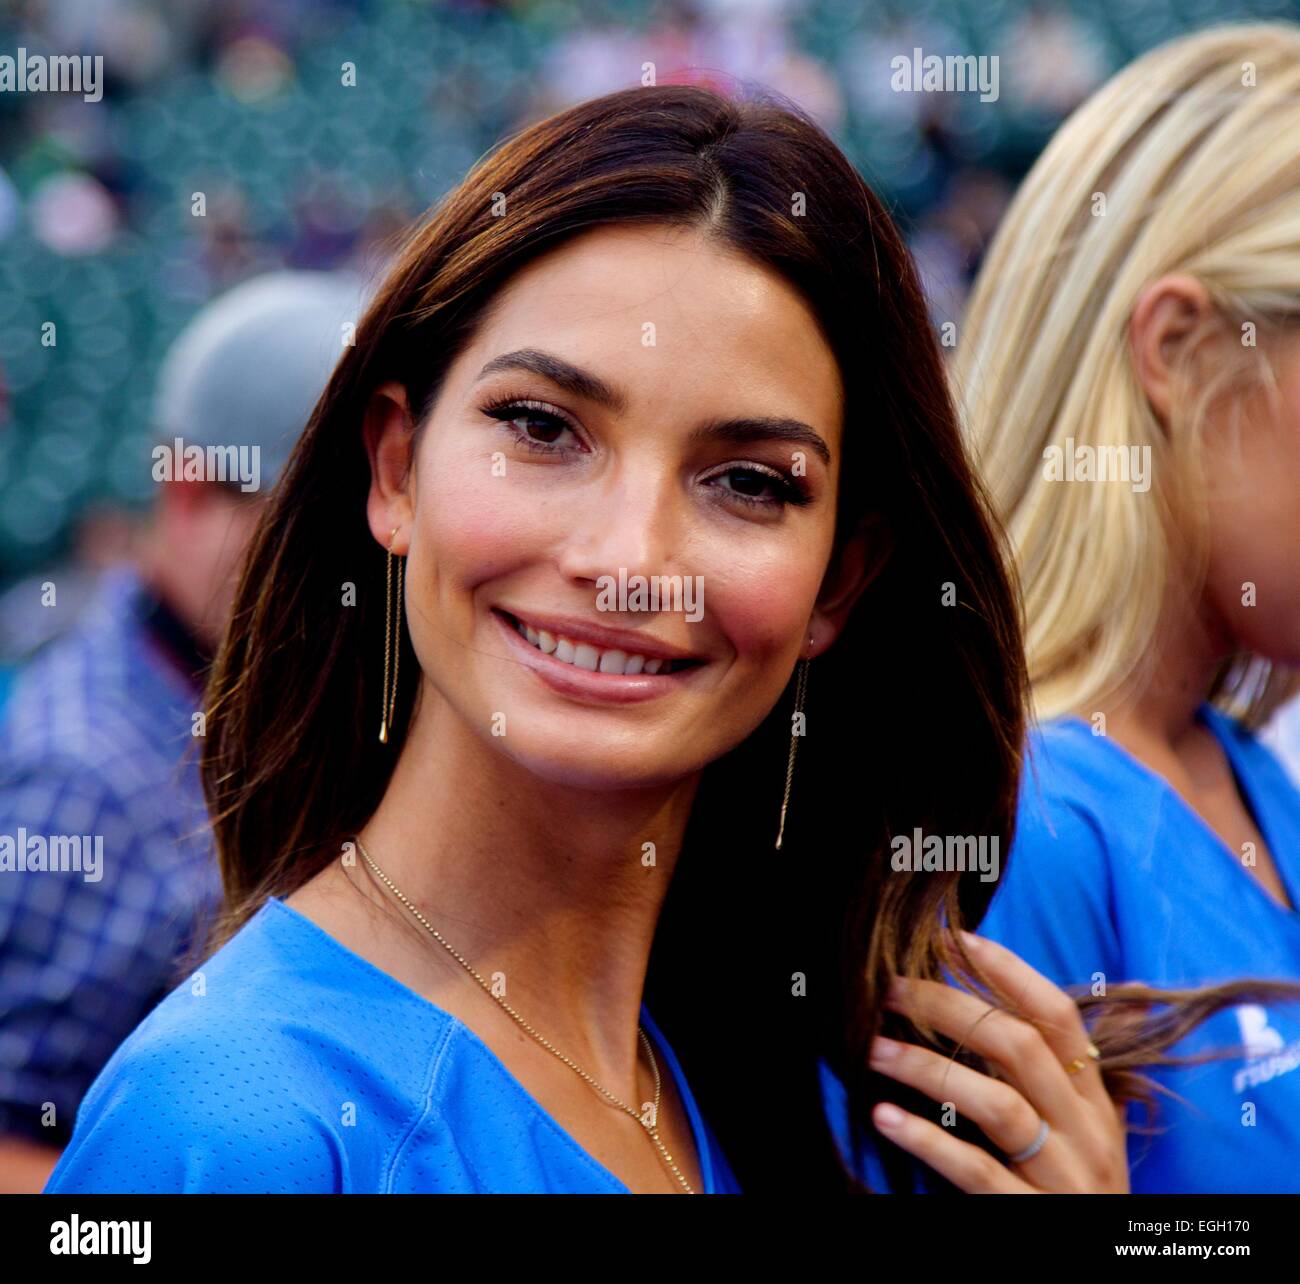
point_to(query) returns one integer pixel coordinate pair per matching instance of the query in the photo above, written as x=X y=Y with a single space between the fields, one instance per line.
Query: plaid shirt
x=96 y=741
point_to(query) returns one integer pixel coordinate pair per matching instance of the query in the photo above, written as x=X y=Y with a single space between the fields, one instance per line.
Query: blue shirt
x=95 y=745
x=1113 y=875
x=291 y=1064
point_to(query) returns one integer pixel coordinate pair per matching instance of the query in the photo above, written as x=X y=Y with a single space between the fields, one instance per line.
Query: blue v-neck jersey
x=1114 y=877
x=289 y=1063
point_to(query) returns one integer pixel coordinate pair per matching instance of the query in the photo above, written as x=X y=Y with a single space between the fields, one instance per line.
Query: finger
x=1010 y=1043
x=999 y=1111
x=996 y=1108
x=968 y=1167
x=1051 y=1010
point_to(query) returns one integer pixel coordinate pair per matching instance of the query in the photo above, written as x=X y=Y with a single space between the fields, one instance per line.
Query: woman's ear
x=859 y=560
x=1169 y=316
x=389 y=435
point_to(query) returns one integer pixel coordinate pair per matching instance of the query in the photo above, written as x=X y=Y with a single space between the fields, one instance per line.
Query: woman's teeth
x=582 y=655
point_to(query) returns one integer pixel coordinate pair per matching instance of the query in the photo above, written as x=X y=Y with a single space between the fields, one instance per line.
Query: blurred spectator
x=99 y=733
x=1054 y=60
x=950 y=238
x=866 y=66
x=721 y=43
x=105 y=537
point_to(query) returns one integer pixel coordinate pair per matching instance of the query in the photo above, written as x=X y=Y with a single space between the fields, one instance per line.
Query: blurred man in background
x=99 y=748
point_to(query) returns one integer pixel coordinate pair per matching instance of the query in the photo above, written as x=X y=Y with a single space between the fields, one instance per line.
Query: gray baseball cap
x=250 y=366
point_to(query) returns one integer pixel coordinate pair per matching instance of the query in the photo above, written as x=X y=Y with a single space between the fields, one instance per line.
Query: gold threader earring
x=392 y=639
x=796 y=732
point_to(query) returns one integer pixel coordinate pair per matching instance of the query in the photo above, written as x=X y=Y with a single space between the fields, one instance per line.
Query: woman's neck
x=557 y=889
x=1154 y=715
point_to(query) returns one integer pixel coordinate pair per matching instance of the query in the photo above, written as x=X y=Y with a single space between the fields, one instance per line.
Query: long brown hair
x=915 y=718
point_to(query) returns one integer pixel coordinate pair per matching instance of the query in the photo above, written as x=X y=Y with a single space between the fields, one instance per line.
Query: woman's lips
x=581 y=675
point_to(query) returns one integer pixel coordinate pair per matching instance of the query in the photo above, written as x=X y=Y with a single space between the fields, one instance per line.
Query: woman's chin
x=588 y=768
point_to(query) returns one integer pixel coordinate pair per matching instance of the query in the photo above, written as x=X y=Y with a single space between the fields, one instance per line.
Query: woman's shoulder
x=1055 y=900
x=1066 y=780
x=281 y=1064
x=283 y=982
x=1082 y=796
x=1070 y=758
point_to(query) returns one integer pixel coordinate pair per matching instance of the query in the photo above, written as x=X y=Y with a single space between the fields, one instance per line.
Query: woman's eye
x=532 y=426
x=758 y=486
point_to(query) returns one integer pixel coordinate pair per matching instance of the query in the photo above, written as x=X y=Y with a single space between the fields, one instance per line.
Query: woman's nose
x=634 y=528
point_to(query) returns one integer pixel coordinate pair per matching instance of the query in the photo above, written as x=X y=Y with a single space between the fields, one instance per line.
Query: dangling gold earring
x=392 y=640
x=800 y=688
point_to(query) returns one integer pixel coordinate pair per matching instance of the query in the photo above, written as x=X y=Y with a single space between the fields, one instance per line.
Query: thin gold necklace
x=651 y=1129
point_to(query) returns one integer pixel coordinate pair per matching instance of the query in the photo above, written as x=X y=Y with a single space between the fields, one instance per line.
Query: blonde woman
x=1130 y=373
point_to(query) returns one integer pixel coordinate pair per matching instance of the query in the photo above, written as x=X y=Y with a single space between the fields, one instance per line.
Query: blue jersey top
x=298 y=1066
x=1114 y=875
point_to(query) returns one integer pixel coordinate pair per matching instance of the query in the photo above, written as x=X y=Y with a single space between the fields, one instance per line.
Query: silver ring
x=1034 y=1146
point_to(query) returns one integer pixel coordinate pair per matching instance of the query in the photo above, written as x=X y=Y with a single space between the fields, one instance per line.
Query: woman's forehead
x=640 y=303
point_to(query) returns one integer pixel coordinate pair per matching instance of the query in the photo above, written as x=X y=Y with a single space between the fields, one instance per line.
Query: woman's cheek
x=480 y=524
x=1255 y=526
x=762 y=611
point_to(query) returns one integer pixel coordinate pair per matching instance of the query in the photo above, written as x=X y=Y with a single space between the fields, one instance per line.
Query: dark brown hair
x=915 y=717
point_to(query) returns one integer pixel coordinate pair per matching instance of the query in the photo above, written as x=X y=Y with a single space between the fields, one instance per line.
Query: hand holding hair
x=1050 y=1115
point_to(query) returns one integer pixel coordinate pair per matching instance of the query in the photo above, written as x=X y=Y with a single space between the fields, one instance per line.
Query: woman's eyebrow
x=582 y=383
x=579 y=383
x=764 y=428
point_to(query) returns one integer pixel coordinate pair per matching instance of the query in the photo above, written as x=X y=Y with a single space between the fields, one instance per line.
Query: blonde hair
x=1187 y=161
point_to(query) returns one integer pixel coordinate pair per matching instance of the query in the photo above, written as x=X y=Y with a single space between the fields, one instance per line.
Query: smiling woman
x=661 y=334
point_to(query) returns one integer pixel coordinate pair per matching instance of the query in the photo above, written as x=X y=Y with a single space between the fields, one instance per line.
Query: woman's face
x=1253 y=467
x=635 y=462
